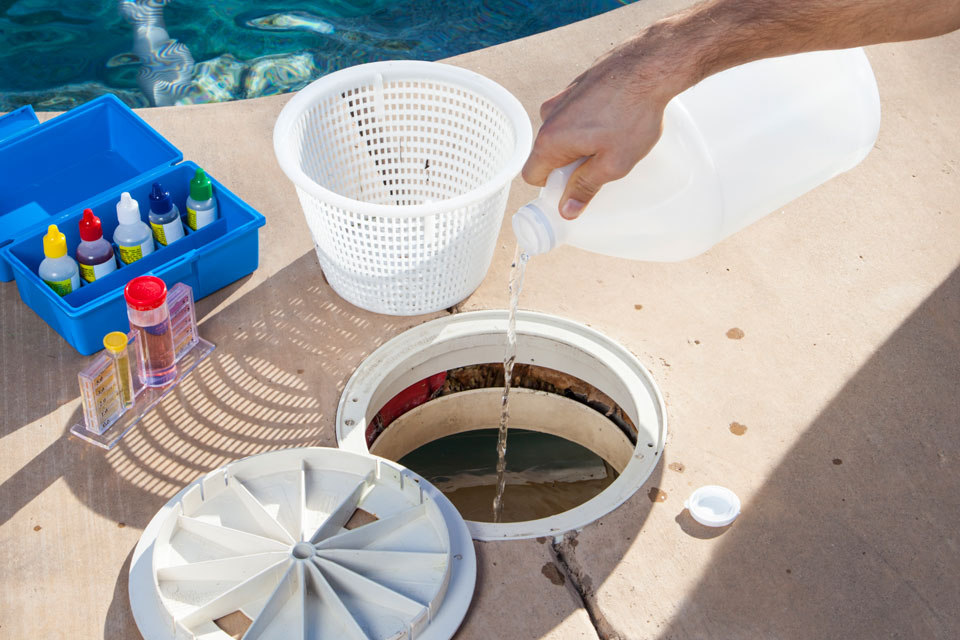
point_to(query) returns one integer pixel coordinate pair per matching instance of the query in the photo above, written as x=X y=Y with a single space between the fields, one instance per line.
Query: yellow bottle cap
x=54 y=243
x=115 y=341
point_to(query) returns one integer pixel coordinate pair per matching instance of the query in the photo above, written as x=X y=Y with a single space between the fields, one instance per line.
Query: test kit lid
x=306 y=543
x=128 y=209
x=713 y=506
x=144 y=293
x=90 y=228
x=200 y=187
x=54 y=243
x=160 y=202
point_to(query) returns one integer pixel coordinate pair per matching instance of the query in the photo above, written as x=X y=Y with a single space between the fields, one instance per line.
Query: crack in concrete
x=581 y=585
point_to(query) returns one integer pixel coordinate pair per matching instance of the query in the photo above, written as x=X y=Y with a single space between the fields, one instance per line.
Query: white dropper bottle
x=132 y=236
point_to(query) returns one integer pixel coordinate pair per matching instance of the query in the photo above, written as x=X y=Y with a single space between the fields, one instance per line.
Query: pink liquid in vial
x=149 y=316
x=156 y=342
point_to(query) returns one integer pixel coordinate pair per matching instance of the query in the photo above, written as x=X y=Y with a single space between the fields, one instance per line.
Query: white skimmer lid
x=305 y=543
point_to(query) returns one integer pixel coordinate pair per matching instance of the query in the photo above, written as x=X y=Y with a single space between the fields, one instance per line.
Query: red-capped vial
x=94 y=254
x=146 y=298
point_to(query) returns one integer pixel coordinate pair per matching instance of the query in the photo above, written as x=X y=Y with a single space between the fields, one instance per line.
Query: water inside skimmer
x=547 y=474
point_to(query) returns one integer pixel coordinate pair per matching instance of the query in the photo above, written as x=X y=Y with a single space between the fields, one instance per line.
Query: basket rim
x=402 y=70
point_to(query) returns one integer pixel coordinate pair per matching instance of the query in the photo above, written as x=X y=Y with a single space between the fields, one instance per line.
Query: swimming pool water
x=57 y=55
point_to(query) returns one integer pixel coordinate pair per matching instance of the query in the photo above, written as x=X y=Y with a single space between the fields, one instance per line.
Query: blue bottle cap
x=160 y=199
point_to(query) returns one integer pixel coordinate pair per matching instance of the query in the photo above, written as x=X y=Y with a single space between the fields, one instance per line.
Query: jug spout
x=532 y=227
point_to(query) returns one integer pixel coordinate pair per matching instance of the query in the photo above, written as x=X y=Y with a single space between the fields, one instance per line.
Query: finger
x=584 y=184
x=542 y=158
x=551 y=149
x=537 y=167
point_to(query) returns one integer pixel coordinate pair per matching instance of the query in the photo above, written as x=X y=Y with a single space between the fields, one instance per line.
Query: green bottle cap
x=200 y=187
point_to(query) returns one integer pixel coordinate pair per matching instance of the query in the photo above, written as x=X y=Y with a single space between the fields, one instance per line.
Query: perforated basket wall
x=403 y=169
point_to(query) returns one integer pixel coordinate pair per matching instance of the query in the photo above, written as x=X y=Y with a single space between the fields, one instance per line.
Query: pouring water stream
x=517 y=269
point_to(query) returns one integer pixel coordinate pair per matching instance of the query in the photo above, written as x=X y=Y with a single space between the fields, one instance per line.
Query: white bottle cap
x=128 y=211
x=713 y=506
x=533 y=230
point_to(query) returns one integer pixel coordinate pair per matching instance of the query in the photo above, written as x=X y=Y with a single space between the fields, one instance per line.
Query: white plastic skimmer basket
x=403 y=170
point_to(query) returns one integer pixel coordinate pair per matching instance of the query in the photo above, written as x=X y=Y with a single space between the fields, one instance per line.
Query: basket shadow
x=284 y=353
x=46 y=365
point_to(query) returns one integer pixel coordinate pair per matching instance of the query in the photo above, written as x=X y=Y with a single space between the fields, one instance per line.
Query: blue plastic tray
x=84 y=159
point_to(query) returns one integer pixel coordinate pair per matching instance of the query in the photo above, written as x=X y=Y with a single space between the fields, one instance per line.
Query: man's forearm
x=612 y=113
x=719 y=34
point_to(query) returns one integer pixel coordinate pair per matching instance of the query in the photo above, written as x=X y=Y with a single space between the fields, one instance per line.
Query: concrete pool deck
x=834 y=411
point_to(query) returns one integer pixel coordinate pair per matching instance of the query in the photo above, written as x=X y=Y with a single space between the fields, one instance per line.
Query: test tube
x=146 y=298
x=115 y=344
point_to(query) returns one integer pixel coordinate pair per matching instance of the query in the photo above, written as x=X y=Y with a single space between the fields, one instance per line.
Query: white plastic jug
x=735 y=147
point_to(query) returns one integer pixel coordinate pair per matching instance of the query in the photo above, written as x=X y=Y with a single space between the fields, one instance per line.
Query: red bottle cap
x=90 y=229
x=145 y=293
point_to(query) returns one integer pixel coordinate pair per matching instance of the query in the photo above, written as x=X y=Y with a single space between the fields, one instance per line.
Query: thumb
x=583 y=185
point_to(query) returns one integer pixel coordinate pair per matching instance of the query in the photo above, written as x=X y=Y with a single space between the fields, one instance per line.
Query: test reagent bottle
x=201 y=205
x=133 y=237
x=94 y=254
x=58 y=270
x=164 y=216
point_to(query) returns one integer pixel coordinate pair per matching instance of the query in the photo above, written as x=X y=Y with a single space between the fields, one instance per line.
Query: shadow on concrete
x=119 y=622
x=693 y=528
x=554 y=591
x=80 y=463
x=272 y=383
x=284 y=352
x=41 y=366
x=46 y=365
x=855 y=533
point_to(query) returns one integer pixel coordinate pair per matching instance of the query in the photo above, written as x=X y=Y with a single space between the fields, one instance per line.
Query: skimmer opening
x=587 y=420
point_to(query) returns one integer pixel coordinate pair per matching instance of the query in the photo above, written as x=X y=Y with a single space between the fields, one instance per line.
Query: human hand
x=612 y=114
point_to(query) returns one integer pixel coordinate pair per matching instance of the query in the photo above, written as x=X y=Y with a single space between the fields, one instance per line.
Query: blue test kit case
x=85 y=158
